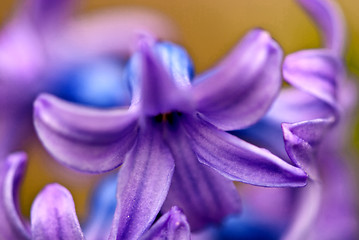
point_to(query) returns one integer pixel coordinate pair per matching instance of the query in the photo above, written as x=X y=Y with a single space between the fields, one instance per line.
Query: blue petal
x=177 y=60
x=97 y=83
x=103 y=207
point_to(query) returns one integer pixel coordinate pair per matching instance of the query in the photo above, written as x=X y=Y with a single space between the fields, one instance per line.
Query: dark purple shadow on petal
x=53 y=215
x=171 y=226
x=238 y=160
x=143 y=183
x=205 y=196
x=89 y=140
x=240 y=89
x=12 y=223
x=329 y=19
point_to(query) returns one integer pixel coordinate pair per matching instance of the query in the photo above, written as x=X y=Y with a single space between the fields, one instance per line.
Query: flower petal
x=314 y=71
x=143 y=183
x=171 y=226
x=305 y=212
x=53 y=215
x=159 y=92
x=239 y=160
x=85 y=139
x=241 y=88
x=327 y=15
x=177 y=61
x=205 y=196
x=302 y=140
x=13 y=225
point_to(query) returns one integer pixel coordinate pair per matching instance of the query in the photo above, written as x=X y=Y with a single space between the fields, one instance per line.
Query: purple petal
x=293 y=105
x=53 y=215
x=328 y=17
x=159 y=91
x=171 y=226
x=314 y=71
x=302 y=140
x=239 y=160
x=337 y=217
x=305 y=211
x=13 y=225
x=143 y=183
x=85 y=139
x=205 y=196
x=241 y=88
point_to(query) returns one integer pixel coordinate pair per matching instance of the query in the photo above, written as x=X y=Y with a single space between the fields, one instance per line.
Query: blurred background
x=208 y=29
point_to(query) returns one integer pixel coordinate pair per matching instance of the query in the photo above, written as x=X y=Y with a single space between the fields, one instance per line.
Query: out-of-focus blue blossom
x=98 y=83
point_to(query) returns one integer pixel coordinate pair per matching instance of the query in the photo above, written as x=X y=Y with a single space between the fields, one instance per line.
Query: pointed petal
x=314 y=71
x=171 y=226
x=329 y=19
x=177 y=61
x=239 y=160
x=103 y=205
x=53 y=215
x=241 y=88
x=143 y=183
x=85 y=139
x=302 y=140
x=13 y=225
x=205 y=196
x=160 y=93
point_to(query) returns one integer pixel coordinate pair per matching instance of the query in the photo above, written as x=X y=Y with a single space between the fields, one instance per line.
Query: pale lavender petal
x=302 y=140
x=85 y=139
x=13 y=225
x=205 y=196
x=53 y=215
x=159 y=92
x=143 y=183
x=327 y=15
x=337 y=217
x=305 y=212
x=314 y=71
x=239 y=160
x=241 y=88
x=171 y=226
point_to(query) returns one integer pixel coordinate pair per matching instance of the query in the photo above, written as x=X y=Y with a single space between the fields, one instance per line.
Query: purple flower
x=42 y=40
x=316 y=118
x=53 y=213
x=171 y=140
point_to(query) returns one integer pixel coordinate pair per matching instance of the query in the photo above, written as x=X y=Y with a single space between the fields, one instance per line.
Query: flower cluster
x=180 y=139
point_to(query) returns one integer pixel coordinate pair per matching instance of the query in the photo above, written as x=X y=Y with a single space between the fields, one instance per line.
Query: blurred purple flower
x=170 y=138
x=317 y=120
x=42 y=40
x=53 y=213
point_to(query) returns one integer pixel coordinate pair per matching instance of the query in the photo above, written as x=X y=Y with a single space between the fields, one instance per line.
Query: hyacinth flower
x=170 y=140
x=53 y=214
x=317 y=118
x=34 y=50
